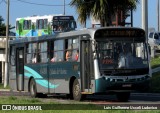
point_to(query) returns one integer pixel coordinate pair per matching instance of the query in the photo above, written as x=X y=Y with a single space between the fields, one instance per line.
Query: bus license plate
x=127 y=85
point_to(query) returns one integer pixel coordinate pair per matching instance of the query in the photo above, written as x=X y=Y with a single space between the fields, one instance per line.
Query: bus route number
x=107 y=61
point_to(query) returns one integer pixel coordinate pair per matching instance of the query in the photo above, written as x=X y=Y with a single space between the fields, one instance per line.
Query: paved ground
x=155 y=70
x=7 y=92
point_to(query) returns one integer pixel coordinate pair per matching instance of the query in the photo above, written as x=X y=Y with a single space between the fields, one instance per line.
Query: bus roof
x=88 y=31
x=41 y=16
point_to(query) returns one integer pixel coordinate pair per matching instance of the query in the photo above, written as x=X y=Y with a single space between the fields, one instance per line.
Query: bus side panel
x=62 y=85
x=26 y=81
x=28 y=33
x=40 y=75
x=12 y=77
x=41 y=32
x=62 y=73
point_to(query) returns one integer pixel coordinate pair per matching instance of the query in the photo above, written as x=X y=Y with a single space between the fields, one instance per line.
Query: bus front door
x=20 y=68
x=86 y=66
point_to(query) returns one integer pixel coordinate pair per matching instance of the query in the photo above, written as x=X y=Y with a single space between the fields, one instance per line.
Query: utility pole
x=145 y=17
x=64 y=7
x=6 y=48
x=158 y=19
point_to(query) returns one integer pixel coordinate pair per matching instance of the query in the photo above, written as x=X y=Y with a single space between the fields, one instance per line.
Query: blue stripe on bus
x=30 y=72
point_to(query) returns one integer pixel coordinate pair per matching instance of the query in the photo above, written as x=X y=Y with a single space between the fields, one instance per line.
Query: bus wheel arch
x=33 y=88
x=29 y=83
x=76 y=91
x=71 y=87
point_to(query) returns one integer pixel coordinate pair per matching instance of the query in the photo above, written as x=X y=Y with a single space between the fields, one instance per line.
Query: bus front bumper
x=102 y=85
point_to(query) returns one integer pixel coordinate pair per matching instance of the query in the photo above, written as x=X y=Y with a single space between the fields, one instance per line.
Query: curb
x=146 y=94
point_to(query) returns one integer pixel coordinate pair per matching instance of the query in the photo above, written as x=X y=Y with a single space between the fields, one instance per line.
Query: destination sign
x=63 y=18
x=118 y=32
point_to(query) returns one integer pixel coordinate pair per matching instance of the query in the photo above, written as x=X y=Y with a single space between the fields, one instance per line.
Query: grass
x=2 y=86
x=27 y=100
x=19 y=100
x=155 y=85
x=155 y=62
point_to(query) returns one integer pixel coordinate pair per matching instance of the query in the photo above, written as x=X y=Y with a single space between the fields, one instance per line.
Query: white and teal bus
x=44 y=25
x=82 y=62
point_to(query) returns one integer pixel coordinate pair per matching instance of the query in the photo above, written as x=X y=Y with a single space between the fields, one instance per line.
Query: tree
x=2 y=27
x=102 y=10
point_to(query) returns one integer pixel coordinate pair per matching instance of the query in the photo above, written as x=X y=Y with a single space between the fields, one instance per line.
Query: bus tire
x=76 y=90
x=33 y=88
x=123 y=96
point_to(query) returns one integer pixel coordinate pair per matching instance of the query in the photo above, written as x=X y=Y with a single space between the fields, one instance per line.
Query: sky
x=18 y=9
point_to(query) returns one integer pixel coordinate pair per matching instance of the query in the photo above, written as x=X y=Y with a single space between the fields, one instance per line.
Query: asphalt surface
x=155 y=70
x=7 y=92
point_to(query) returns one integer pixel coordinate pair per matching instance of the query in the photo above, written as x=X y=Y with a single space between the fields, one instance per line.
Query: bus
x=44 y=25
x=82 y=62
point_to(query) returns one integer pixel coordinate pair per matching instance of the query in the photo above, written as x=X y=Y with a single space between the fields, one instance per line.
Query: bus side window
x=28 y=55
x=75 y=55
x=34 y=59
x=25 y=24
x=29 y=24
x=68 y=55
x=59 y=50
x=31 y=52
x=42 y=52
x=45 y=24
x=34 y=52
x=72 y=50
x=68 y=49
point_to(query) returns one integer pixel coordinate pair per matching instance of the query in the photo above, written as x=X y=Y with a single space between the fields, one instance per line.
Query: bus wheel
x=33 y=88
x=77 y=91
x=123 y=96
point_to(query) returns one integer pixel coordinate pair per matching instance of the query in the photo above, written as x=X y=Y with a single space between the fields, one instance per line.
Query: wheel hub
x=76 y=90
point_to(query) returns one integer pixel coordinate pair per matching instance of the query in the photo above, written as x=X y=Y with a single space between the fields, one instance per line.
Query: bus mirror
x=75 y=24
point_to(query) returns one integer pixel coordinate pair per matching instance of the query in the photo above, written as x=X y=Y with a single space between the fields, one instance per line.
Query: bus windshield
x=64 y=25
x=122 y=54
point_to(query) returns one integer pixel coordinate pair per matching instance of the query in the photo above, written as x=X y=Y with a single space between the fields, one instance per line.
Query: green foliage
x=102 y=10
x=2 y=27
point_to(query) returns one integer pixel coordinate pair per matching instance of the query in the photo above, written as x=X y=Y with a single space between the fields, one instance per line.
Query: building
x=2 y=58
